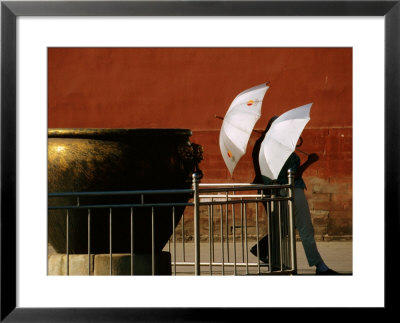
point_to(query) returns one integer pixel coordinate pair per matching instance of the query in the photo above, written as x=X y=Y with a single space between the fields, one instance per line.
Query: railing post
x=292 y=228
x=196 y=180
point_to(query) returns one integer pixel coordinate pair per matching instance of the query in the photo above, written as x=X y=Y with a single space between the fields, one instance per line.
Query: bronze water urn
x=88 y=160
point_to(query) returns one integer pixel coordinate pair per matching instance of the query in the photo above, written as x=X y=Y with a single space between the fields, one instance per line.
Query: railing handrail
x=244 y=188
x=219 y=196
x=108 y=206
x=227 y=184
x=220 y=187
x=137 y=192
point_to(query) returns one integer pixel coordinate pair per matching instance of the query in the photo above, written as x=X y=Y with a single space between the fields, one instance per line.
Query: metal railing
x=205 y=241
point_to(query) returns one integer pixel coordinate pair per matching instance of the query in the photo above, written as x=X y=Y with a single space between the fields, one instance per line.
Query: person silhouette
x=301 y=210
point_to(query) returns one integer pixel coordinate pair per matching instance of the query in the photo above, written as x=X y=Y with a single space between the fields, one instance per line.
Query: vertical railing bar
x=292 y=222
x=288 y=261
x=269 y=215
x=280 y=234
x=77 y=204
x=212 y=228
x=245 y=239
x=234 y=240
x=272 y=228
x=227 y=226
x=222 y=240
x=183 y=236
x=209 y=239
x=282 y=230
x=142 y=202
x=282 y=210
x=88 y=242
x=110 y=227
x=276 y=232
x=67 y=241
x=153 y=256
x=132 y=241
x=169 y=243
x=196 y=224
x=241 y=228
x=285 y=217
x=174 y=237
x=258 y=242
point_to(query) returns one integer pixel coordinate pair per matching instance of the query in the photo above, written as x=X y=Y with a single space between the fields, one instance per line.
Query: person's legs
x=305 y=227
x=262 y=244
x=269 y=254
x=306 y=230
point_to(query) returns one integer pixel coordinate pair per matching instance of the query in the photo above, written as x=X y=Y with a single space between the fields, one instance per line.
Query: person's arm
x=312 y=158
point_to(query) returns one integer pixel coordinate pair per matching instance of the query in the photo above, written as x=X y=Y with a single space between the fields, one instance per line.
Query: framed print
x=36 y=33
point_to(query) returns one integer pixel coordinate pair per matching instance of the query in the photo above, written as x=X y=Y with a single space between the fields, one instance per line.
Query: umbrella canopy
x=238 y=124
x=281 y=139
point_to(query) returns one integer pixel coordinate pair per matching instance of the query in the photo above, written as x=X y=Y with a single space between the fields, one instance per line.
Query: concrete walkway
x=338 y=255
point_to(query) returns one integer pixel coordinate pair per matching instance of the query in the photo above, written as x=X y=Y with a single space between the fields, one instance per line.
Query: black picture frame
x=10 y=10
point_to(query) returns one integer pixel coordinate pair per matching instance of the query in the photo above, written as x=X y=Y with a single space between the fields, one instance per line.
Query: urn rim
x=103 y=133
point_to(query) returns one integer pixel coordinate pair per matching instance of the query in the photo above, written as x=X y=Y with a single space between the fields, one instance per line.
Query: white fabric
x=281 y=139
x=238 y=124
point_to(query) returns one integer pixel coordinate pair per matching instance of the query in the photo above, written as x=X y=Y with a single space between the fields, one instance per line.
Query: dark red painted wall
x=187 y=87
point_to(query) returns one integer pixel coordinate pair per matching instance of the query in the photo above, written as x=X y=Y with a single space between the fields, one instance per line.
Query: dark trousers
x=274 y=254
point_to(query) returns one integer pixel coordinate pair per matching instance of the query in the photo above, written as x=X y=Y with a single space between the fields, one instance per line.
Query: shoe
x=254 y=252
x=327 y=272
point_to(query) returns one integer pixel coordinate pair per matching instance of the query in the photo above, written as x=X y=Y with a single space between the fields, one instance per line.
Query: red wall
x=187 y=87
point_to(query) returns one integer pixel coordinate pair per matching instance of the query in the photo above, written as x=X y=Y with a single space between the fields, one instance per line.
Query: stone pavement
x=337 y=254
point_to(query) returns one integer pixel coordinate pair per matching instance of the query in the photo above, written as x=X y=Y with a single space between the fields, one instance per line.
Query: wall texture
x=188 y=87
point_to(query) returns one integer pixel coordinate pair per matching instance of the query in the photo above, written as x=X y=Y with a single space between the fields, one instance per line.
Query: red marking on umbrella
x=250 y=102
x=229 y=154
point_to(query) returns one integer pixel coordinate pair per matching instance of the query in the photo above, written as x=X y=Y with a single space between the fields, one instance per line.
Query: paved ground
x=338 y=255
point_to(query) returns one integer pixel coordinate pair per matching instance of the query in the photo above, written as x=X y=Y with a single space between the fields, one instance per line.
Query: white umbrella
x=281 y=139
x=238 y=124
